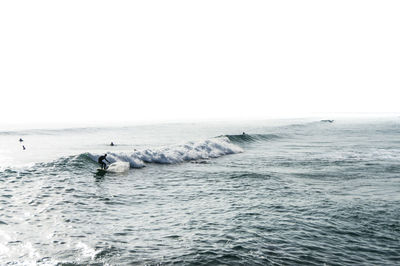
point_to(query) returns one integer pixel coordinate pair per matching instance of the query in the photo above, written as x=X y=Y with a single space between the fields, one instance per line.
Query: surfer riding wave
x=101 y=161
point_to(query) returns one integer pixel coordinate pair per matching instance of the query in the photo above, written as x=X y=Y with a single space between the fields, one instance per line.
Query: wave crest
x=211 y=148
x=243 y=138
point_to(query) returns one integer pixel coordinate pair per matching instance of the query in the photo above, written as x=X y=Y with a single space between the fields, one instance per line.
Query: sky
x=102 y=61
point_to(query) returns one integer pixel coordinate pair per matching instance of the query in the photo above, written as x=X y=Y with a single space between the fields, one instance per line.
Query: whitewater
x=275 y=192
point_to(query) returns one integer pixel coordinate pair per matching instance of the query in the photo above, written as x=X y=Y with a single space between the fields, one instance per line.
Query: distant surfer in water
x=103 y=164
x=21 y=140
x=112 y=143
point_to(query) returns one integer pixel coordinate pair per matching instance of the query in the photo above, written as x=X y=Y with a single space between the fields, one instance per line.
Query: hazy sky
x=76 y=61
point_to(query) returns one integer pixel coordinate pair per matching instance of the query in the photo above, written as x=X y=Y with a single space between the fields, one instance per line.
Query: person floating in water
x=23 y=147
x=112 y=143
x=103 y=164
x=21 y=140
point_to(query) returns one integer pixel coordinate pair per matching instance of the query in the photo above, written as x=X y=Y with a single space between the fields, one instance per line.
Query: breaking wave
x=206 y=149
x=211 y=148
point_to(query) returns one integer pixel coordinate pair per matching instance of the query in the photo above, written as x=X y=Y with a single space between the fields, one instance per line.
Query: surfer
x=23 y=147
x=103 y=164
x=21 y=140
x=112 y=143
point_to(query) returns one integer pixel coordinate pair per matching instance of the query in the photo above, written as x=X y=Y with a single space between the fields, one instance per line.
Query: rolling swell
x=75 y=163
x=244 y=138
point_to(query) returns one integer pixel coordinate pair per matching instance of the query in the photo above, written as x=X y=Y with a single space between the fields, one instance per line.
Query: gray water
x=285 y=193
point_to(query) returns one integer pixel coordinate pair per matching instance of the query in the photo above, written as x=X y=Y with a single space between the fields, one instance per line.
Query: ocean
x=272 y=192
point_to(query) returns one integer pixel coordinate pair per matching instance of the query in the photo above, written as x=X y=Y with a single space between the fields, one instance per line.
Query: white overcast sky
x=77 y=61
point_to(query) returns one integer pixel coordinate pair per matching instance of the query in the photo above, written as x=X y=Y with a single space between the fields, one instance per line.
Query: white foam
x=87 y=251
x=118 y=167
x=211 y=148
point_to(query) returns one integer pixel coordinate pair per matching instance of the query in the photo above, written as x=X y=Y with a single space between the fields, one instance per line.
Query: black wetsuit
x=103 y=164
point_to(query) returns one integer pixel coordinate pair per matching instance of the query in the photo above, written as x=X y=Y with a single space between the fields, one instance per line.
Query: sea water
x=284 y=192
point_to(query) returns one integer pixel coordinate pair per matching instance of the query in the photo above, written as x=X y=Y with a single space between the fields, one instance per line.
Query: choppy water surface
x=287 y=193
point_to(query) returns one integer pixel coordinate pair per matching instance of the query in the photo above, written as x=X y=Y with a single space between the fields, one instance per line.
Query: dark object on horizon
x=243 y=133
x=21 y=140
x=100 y=161
x=23 y=147
x=327 y=121
x=112 y=143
